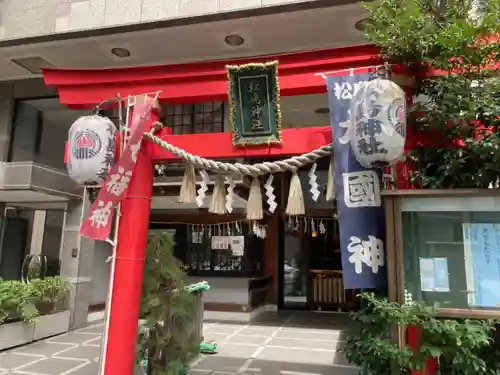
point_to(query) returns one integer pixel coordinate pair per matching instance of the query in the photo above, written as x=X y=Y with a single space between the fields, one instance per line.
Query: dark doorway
x=13 y=247
x=311 y=267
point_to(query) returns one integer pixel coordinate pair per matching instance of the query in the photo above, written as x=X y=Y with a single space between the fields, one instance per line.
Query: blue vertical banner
x=359 y=206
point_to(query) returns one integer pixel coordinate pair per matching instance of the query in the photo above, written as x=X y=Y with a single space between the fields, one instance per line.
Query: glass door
x=295 y=271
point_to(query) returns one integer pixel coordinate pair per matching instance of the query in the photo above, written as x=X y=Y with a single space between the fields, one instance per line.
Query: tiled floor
x=290 y=344
x=75 y=353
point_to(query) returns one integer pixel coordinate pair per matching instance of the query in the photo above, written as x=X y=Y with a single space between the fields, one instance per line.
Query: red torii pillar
x=129 y=264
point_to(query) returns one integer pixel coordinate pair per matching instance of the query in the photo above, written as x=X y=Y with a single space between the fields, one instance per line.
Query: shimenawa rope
x=254 y=210
x=254 y=170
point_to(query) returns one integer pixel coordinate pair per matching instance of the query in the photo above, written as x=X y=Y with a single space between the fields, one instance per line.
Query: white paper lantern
x=91 y=149
x=378 y=123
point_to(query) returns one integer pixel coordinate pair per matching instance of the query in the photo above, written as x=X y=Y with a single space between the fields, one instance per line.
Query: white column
x=37 y=232
x=77 y=255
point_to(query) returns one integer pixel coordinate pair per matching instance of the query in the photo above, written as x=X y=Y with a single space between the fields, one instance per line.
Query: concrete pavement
x=296 y=344
x=290 y=344
x=75 y=353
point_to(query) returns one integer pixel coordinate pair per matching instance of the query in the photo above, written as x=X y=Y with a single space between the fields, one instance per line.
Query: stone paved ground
x=297 y=344
x=294 y=344
x=75 y=353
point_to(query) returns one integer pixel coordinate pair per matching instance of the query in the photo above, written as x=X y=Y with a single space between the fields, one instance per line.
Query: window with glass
x=452 y=253
x=195 y=118
x=212 y=253
x=295 y=268
x=207 y=252
x=52 y=237
x=24 y=234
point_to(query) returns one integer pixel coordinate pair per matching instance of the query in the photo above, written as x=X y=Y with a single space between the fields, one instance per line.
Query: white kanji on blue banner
x=361 y=189
x=361 y=216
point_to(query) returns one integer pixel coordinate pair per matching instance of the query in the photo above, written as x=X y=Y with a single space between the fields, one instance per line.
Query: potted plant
x=32 y=311
x=462 y=346
x=17 y=302
x=50 y=294
x=17 y=314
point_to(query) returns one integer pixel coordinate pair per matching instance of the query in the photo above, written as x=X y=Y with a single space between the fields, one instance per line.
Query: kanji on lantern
x=97 y=224
x=377 y=128
x=92 y=149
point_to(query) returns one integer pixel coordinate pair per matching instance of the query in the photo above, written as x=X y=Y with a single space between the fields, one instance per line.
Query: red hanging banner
x=97 y=224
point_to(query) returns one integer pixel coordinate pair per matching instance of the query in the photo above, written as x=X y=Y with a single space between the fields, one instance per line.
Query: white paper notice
x=220 y=242
x=434 y=276
x=426 y=275
x=238 y=245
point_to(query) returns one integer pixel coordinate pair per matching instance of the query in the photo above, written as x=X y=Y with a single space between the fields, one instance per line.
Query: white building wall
x=26 y=18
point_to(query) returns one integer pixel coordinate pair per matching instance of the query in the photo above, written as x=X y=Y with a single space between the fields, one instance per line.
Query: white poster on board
x=426 y=274
x=220 y=242
x=238 y=245
x=482 y=263
x=434 y=275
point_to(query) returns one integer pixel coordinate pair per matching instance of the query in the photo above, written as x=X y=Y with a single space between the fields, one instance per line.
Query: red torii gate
x=132 y=238
x=185 y=83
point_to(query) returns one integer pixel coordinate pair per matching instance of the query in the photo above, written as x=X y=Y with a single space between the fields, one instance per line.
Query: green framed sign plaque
x=254 y=109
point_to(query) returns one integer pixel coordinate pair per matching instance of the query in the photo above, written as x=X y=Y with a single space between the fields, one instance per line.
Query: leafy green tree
x=167 y=338
x=456 y=119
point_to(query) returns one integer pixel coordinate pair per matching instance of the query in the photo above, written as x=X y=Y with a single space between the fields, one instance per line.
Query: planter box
x=14 y=334
x=19 y=333
x=51 y=325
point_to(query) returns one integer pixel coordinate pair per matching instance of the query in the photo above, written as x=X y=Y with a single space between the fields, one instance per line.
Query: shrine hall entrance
x=311 y=267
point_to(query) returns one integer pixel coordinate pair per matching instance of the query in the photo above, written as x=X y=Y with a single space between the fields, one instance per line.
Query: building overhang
x=30 y=183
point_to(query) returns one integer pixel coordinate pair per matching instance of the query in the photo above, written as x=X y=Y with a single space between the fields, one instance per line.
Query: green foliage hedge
x=25 y=302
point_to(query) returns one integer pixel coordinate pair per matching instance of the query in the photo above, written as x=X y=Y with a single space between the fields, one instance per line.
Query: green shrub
x=50 y=293
x=442 y=34
x=17 y=302
x=460 y=344
x=25 y=302
x=168 y=310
